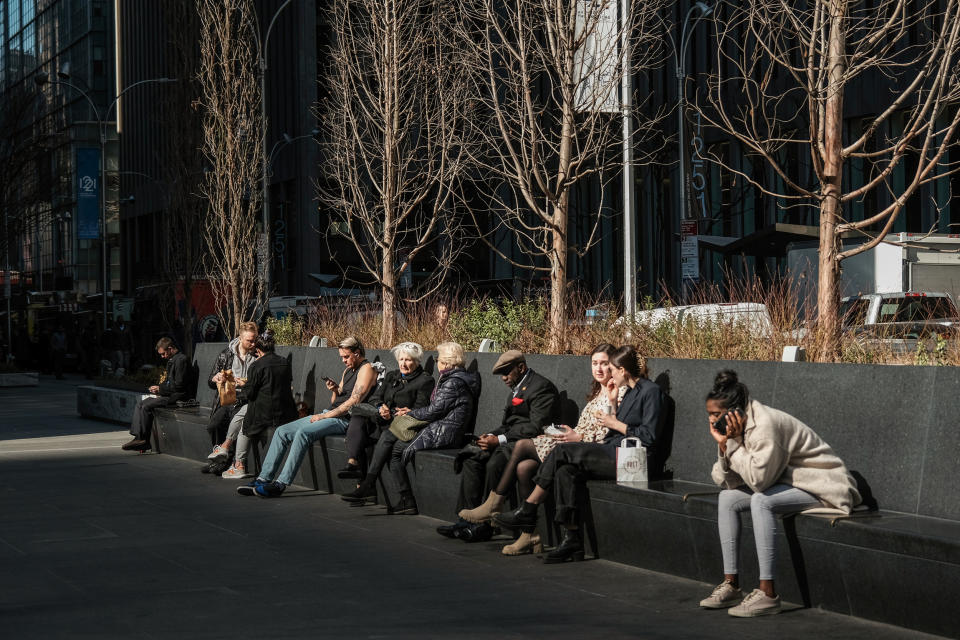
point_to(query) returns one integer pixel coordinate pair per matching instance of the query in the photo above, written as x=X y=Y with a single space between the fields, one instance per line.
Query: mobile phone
x=720 y=426
x=327 y=379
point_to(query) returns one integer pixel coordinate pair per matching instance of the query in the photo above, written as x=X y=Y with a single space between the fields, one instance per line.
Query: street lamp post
x=685 y=33
x=266 y=156
x=41 y=79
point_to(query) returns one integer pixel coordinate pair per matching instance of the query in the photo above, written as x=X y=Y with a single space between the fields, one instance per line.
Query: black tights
x=521 y=468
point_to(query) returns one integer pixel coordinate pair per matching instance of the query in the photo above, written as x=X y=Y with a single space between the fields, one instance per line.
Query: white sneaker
x=724 y=595
x=757 y=603
x=236 y=472
x=218 y=452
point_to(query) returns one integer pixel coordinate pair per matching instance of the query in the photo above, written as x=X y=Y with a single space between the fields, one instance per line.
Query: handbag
x=227 y=389
x=406 y=427
x=631 y=461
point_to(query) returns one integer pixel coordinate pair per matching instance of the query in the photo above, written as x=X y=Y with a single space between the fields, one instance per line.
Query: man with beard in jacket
x=533 y=403
x=177 y=385
x=225 y=421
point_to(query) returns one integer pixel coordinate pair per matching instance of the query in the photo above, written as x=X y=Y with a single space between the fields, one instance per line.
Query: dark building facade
x=726 y=208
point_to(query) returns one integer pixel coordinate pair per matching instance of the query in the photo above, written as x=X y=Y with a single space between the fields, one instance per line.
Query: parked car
x=900 y=320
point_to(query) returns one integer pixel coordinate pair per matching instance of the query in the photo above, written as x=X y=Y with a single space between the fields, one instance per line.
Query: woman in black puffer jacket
x=408 y=387
x=450 y=415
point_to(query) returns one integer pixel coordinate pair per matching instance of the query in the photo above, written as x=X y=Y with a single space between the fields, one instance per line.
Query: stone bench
x=893 y=426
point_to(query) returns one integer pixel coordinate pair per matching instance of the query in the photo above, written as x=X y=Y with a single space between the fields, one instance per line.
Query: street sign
x=689 y=250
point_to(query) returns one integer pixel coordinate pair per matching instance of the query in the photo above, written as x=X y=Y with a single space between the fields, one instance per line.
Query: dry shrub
x=522 y=325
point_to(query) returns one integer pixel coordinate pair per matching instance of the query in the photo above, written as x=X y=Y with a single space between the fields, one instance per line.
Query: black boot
x=570 y=548
x=406 y=507
x=524 y=518
x=350 y=471
x=366 y=492
x=452 y=530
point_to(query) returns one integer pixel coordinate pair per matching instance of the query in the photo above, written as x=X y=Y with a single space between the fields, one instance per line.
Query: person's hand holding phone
x=736 y=422
x=331 y=385
x=384 y=412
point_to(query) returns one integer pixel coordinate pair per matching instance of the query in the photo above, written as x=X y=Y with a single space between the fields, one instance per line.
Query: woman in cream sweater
x=768 y=463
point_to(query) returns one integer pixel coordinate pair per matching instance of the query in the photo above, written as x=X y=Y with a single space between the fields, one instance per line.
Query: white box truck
x=902 y=262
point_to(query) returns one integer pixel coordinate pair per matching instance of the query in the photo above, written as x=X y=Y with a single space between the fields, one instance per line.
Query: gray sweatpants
x=764 y=508
x=235 y=432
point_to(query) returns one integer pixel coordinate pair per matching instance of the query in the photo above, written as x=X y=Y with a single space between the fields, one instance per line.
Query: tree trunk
x=829 y=267
x=389 y=308
x=558 y=284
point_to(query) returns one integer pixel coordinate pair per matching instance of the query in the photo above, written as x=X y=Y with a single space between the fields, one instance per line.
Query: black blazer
x=539 y=404
x=269 y=394
x=640 y=411
x=412 y=391
x=179 y=384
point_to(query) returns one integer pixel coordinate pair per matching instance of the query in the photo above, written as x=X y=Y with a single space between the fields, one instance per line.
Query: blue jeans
x=297 y=436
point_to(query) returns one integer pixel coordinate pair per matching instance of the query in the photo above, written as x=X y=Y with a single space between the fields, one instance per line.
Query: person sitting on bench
x=173 y=387
x=768 y=463
x=440 y=424
x=408 y=387
x=637 y=415
x=358 y=380
x=528 y=453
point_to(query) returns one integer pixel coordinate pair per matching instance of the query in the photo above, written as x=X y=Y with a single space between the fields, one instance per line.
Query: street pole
x=6 y=282
x=268 y=257
x=705 y=11
x=629 y=202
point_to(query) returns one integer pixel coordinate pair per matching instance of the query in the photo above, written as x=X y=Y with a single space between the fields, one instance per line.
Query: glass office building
x=58 y=53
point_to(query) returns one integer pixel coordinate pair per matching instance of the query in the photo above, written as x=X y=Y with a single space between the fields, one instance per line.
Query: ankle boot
x=523 y=518
x=570 y=548
x=526 y=543
x=365 y=492
x=484 y=512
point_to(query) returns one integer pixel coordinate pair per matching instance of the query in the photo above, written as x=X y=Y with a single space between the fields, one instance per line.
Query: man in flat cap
x=533 y=403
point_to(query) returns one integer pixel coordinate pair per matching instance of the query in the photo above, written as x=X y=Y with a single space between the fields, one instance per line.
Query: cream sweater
x=776 y=448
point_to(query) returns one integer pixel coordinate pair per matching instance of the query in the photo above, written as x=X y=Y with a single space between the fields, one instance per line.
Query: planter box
x=24 y=379
x=103 y=403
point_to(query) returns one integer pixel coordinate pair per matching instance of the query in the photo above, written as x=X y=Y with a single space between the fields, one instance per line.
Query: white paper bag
x=631 y=461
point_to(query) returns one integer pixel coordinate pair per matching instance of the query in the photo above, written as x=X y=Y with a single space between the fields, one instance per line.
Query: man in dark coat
x=177 y=385
x=267 y=391
x=533 y=403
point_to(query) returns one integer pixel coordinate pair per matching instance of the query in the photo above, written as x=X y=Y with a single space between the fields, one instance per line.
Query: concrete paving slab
x=100 y=543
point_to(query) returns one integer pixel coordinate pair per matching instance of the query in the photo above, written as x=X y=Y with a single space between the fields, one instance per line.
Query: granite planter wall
x=19 y=379
x=103 y=403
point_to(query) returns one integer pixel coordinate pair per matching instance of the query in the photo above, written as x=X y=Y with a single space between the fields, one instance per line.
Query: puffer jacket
x=451 y=413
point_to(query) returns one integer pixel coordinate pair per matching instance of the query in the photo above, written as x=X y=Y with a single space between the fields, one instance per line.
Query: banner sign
x=88 y=194
x=597 y=61
x=696 y=191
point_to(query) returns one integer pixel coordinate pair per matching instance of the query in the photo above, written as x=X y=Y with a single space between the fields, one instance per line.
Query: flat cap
x=507 y=360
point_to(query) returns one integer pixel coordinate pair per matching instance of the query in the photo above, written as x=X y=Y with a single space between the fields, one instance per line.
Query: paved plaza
x=96 y=542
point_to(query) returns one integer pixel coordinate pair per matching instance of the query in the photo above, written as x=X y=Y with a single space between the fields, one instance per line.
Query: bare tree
x=395 y=140
x=232 y=144
x=548 y=73
x=783 y=71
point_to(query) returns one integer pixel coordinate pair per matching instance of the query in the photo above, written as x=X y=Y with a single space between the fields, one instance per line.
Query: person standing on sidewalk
x=174 y=386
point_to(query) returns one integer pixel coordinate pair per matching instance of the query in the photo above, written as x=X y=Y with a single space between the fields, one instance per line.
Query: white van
x=753 y=315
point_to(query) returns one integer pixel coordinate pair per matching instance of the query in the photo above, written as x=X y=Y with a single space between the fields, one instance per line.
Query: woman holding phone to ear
x=768 y=463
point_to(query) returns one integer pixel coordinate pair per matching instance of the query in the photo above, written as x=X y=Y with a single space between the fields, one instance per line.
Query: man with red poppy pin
x=533 y=403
